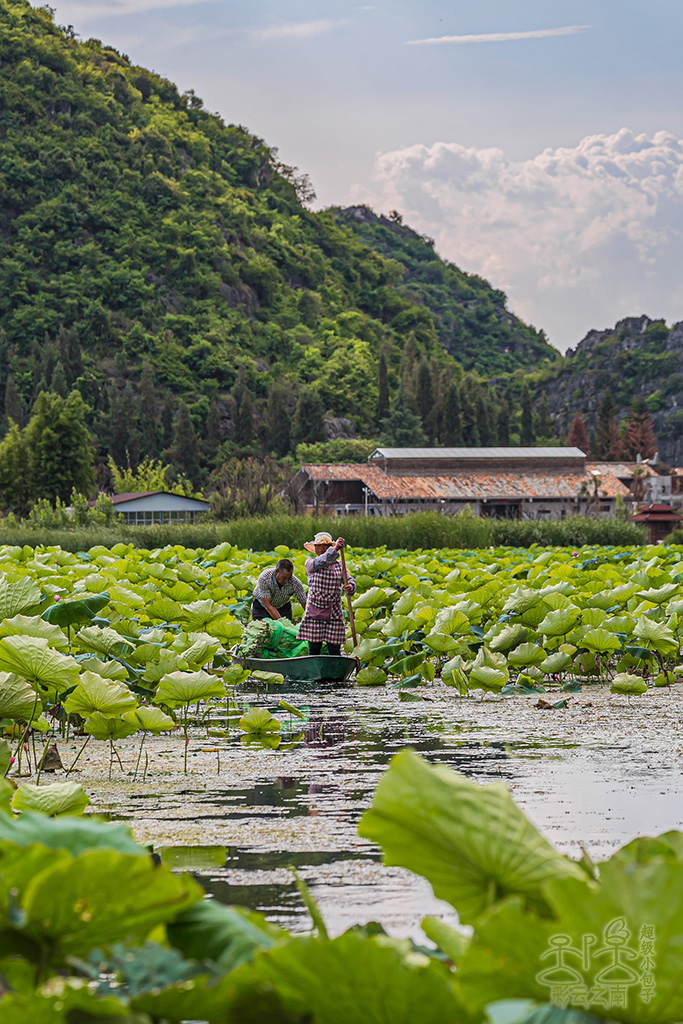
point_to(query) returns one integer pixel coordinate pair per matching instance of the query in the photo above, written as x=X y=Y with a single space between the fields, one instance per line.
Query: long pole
x=352 y=621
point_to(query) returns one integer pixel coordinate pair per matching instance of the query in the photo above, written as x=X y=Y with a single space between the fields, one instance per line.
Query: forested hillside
x=167 y=266
x=471 y=318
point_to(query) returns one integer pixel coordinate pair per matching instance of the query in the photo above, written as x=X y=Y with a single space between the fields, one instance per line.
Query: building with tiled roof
x=547 y=483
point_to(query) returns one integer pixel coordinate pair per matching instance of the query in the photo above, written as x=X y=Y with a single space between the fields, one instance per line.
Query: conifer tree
x=527 y=433
x=470 y=431
x=452 y=417
x=277 y=418
x=503 y=424
x=578 y=434
x=483 y=426
x=149 y=429
x=58 y=442
x=607 y=443
x=544 y=421
x=212 y=433
x=185 y=451
x=425 y=397
x=58 y=383
x=244 y=410
x=307 y=423
x=14 y=407
x=15 y=481
x=382 y=387
x=167 y=410
x=640 y=434
x=402 y=427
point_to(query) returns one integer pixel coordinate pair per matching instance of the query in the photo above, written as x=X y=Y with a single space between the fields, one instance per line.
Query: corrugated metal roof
x=477 y=453
x=472 y=486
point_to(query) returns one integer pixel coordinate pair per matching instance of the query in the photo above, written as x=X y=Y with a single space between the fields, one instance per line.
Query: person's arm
x=299 y=592
x=321 y=562
x=350 y=589
x=270 y=608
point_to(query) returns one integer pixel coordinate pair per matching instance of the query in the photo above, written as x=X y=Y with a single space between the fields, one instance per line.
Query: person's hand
x=348 y=588
x=339 y=544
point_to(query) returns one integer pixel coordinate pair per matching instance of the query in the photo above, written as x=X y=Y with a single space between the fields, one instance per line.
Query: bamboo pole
x=352 y=621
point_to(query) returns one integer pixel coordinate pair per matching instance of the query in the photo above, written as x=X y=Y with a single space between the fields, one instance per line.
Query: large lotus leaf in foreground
x=53 y=800
x=19 y=596
x=102 y=727
x=34 y=625
x=72 y=834
x=471 y=842
x=65 y=1001
x=72 y=613
x=18 y=699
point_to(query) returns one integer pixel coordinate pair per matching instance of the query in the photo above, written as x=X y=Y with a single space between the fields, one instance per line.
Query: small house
x=659 y=521
x=147 y=507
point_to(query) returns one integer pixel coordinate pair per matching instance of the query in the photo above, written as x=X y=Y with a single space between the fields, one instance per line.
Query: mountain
x=160 y=261
x=471 y=318
x=637 y=359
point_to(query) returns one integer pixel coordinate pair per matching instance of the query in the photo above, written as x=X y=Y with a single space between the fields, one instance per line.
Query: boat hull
x=311 y=668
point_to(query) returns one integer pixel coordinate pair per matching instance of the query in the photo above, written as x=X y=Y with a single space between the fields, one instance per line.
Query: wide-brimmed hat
x=320 y=538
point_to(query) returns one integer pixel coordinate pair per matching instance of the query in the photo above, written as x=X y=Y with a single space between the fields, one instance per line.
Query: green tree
x=244 y=411
x=58 y=384
x=277 y=418
x=212 y=433
x=503 y=424
x=452 y=417
x=59 y=447
x=14 y=407
x=15 y=481
x=382 y=387
x=402 y=428
x=149 y=429
x=483 y=424
x=425 y=397
x=185 y=451
x=527 y=433
x=167 y=420
x=544 y=421
x=307 y=424
x=470 y=430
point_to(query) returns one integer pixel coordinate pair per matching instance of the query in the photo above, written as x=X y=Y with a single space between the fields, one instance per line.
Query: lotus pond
x=555 y=671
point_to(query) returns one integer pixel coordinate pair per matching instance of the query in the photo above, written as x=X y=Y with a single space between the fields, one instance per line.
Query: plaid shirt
x=267 y=587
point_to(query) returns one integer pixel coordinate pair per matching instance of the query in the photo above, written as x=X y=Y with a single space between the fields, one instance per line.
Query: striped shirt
x=267 y=588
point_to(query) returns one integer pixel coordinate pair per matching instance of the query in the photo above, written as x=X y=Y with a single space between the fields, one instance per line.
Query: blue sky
x=538 y=143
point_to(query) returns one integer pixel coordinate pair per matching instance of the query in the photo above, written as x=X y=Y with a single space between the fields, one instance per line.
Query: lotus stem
x=42 y=760
x=17 y=753
x=137 y=764
x=69 y=770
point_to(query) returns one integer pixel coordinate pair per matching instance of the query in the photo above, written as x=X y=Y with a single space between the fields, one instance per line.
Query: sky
x=539 y=143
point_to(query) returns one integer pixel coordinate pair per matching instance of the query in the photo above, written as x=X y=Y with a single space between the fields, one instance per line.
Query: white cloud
x=298 y=29
x=500 y=37
x=578 y=237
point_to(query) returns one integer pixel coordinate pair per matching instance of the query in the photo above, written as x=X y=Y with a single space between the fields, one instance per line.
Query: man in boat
x=274 y=591
x=323 y=620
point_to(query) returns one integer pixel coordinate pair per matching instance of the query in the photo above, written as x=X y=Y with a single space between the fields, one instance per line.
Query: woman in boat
x=323 y=620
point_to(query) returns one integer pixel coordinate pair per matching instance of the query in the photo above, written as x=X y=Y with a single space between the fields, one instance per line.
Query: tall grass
x=421 y=530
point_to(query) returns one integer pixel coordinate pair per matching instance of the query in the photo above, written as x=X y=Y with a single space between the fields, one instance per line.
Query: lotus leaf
x=559 y=622
x=521 y=601
x=600 y=641
x=470 y=842
x=101 y=728
x=163 y=610
x=656 y=635
x=105 y=641
x=558 y=662
x=371 y=676
x=442 y=643
x=274 y=678
x=198 y=614
x=373 y=598
x=34 y=625
x=181 y=688
x=259 y=720
x=95 y=693
x=18 y=597
x=398 y=625
x=71 y=613
x=660 y=595
x=34 y=660
x=53 y=800
x=147 y=719
x=628 y=684
x=18 y=699
x=406 y=603
x=510 y=637
x=450 y=620
x=527 y=654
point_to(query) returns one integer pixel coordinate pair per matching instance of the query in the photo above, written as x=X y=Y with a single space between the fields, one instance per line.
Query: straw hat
x=320 y=538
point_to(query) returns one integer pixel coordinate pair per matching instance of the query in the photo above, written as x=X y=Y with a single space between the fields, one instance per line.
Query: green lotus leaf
x=33 y=658
x=228 y=936
x=365 y=650
x=146 y=719
x=470 y=842
x=259 y=720
x=656 y=635
x=199 y=614
x=600 y=640
x=397 y=625
x=660 y=595
x=179 y=688
x=34 y=625
x=557 y=662
x=454 y=673
x=628 y=684
x=510 y=637
x=108 y=728
x=94 y=693
x=106 y=669
x=406 y=602
x=72 y=613
x=200 y=652
x=274 y=678
x=521 y=601
x=526 y=654
x=486 y=678
x=559 y=622
x=451 y=621
x=18 y=699
x=62 y=1001
x=226 y=630
x=372 y=675
x=406 y=666
x=442 y=643
x=19 y=596
x=375 y=597
x=163 y=610
x=95 y=640
x=72 y=834
x=53 y=800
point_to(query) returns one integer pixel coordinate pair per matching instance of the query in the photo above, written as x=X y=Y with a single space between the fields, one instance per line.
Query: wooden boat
x=311 y=668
